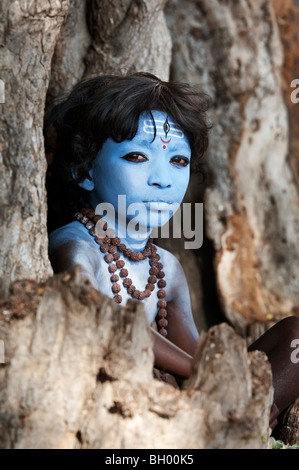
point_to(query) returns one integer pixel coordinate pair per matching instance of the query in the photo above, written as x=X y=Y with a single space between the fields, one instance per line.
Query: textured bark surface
x=128 y=36
x=289 y=430
x=233 y=50
x=81 y=377
x=28 y=33
x=78 y=370
x=287 y=15
x=68 y=64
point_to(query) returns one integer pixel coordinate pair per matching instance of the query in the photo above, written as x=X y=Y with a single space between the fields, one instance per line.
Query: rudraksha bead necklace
x=111 y=247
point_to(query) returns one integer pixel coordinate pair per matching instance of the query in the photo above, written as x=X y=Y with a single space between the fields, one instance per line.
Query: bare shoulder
x=70 y=245
x=174 y=273
x=73 y=232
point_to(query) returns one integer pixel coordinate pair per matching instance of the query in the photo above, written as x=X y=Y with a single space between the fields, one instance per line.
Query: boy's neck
x=133 y=239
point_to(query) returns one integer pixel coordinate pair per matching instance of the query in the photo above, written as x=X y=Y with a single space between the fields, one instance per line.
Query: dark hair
x=110 y=106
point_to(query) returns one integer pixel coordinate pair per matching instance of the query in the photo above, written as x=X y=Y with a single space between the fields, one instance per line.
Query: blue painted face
x=153 y=172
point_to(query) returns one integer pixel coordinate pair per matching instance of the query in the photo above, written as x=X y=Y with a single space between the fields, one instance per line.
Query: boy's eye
x=135 y=157
x=180 y=161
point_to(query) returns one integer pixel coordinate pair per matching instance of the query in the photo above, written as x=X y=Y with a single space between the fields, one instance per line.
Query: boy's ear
x=87 y=183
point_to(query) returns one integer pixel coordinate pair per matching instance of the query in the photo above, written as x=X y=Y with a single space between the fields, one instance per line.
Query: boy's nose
x=160 y=178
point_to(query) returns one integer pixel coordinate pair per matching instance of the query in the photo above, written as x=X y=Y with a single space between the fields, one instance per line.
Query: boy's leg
x=276 y=343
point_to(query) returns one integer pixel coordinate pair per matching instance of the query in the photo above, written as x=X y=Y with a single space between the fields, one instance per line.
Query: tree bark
x=29 y=31
x=81 y=377
x=233 y=50
x=287 y=14
x=78 y=370
x=128 y=36
x=68 y=63
x=289 y=430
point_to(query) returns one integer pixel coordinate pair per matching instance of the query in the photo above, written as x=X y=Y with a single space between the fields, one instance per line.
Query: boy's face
x=154 y=173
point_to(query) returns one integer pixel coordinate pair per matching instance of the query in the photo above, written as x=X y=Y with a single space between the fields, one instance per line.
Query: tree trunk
x=81 y=377
x=128 y=36
x=233 y=50
x=77 y=369
x=29 y=32
x=289 y=430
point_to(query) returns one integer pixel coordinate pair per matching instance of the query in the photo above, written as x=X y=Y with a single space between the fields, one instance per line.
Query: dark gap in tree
x=210 y=296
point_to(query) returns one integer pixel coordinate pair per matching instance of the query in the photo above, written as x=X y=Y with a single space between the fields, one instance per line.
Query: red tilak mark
x=164 y=146
x=165 y=141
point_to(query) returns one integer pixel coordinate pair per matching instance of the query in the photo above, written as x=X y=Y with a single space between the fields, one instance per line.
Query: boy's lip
x=158 y=205
x=157 y=201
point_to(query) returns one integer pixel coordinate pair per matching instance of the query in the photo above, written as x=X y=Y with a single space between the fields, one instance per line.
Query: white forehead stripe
x=175 y=130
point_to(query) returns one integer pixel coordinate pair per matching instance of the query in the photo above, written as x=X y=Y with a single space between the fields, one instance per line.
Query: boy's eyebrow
x=174 y=145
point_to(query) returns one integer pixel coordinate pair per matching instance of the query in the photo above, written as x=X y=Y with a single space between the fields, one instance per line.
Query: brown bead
x=162 y=303
x=131 y=289
x=128 y=253
x=78 y=216
x=160 y=275
x=154 y=270
x=162 y=283
x=104 y=248
x=92 y=231
x=163 y=332
x=89 y=225
x=84 y=210
x=99 y=240
x=90 y=213
x=116 y=288
x=162 y=312
x=159 y=266
x=153 y=262
x=136 y=294
x=150 y=286
x=122 y=247
x=127 y=282
x=157 y=257
x=140 y=256
x=133 y=256
x=147 y=293
x=108 y=258
x=112 y=268
x=161 y=294
x=154 y=248
x=116 y=256
x=112 y=249
x=146 y=252
x=96 y=218
x=123 y=273
x=152 y=279
x=115 y=241
x=114 y=278
x=107 y=240
x=120 y=264
x=117 y=298
x=163 y=322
